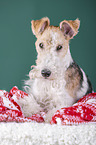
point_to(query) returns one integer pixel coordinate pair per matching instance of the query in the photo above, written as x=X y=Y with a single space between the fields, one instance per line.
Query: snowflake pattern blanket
x=83 y=111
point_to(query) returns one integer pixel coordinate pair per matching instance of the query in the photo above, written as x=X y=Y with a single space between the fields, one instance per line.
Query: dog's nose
x=46 y=73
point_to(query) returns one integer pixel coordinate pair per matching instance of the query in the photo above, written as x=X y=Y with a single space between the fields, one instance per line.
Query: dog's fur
x=67 y=82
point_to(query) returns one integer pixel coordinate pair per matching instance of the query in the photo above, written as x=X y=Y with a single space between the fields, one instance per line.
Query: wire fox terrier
x=56 y=81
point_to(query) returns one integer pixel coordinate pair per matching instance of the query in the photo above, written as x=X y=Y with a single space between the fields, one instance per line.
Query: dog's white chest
x=51 y=93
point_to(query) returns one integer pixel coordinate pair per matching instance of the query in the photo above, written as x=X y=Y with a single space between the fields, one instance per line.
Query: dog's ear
x=38 y=26
x=70 y=28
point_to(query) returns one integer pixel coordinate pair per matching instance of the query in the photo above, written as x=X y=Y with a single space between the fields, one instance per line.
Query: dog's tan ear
x=70 y=28
x=38 y=26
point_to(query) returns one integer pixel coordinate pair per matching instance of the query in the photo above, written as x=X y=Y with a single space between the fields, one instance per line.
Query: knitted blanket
x=76 y=124
x=83 y=111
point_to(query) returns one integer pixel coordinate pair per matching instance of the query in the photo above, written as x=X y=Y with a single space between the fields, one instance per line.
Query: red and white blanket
x=81 y=112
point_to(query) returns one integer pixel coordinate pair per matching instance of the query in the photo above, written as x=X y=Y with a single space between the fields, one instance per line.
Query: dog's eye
x=59 y=47
x=41 y=45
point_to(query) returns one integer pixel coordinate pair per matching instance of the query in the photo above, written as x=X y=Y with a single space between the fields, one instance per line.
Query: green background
x=17 y=43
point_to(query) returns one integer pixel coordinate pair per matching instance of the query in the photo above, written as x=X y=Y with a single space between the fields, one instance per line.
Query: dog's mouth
x=48 y=78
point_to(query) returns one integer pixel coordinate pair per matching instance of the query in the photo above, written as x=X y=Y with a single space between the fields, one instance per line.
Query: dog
x=56 y=81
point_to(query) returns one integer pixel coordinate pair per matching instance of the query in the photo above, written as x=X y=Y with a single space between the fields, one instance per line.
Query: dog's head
x=52 y=44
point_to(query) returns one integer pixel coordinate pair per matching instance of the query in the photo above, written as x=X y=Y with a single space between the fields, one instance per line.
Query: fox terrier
x=56 y=81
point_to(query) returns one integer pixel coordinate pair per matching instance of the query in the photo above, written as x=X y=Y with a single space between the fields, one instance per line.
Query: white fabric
x=46 y=134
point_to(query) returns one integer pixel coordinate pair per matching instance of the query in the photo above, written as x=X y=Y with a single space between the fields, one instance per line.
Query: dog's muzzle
x=46 y=73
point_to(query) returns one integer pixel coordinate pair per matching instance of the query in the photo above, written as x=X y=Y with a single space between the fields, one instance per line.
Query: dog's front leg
x=28 y=105
x=49 y=115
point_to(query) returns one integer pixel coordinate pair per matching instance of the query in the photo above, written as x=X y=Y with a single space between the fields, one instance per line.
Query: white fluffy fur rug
x=46 y=134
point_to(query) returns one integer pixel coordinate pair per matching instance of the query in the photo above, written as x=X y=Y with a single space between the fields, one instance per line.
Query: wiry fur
x=64 y=86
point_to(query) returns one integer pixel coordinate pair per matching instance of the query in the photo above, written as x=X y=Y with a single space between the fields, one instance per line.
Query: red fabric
x=82 y=112
x=10 y=111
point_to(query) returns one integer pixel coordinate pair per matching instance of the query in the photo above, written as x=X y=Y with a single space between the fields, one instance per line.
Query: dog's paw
x=49 y=114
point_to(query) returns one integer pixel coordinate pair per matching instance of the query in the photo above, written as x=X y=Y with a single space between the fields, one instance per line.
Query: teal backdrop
x=17 y=43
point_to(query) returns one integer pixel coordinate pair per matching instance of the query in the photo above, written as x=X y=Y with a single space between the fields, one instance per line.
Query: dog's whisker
x=33 y=66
